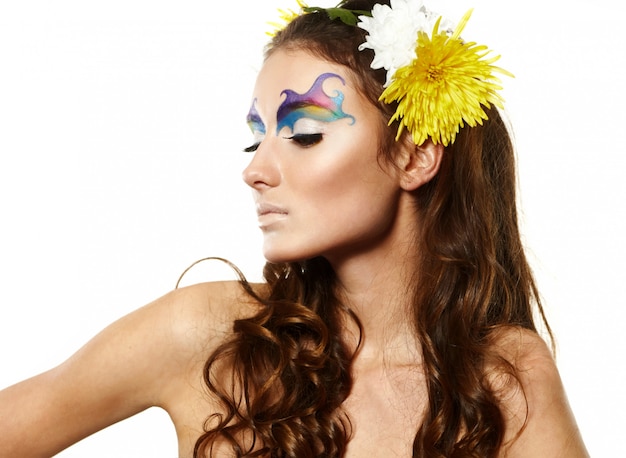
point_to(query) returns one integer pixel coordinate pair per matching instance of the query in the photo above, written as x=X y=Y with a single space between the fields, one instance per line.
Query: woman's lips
x=263 y=209
x=269 y=213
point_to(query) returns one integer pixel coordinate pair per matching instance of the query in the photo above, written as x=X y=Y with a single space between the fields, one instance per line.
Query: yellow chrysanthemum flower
x=286 y=16
x=446 y=86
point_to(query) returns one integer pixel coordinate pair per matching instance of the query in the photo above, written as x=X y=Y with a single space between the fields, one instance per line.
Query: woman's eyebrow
x=313 y=104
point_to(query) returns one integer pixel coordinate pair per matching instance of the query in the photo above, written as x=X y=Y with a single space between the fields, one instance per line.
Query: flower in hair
x=444 y=84
x=392 y=32
x=286 y=16
x=347 y=16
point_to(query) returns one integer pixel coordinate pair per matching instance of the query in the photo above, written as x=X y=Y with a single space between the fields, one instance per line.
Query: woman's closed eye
x=252 y=148
x=302 y=140
x=306 y=140
x=258 y=137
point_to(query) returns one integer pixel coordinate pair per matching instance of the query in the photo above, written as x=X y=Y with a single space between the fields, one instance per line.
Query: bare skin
x=115 y=376
x=152 y=357
x=155 y=356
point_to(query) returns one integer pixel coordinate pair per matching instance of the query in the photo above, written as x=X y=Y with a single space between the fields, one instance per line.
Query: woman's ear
x=419 y=164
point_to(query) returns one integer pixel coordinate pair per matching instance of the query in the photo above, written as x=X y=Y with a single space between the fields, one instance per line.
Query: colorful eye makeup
x=313 y=104
x=254 y=120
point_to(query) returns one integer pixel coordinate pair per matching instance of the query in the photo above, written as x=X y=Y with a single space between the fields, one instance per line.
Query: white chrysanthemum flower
x=392 y=33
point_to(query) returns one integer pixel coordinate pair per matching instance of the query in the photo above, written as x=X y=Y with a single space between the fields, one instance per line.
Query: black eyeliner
x=306 y=139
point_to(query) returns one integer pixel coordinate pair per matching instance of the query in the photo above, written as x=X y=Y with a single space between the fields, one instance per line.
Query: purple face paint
x=314 y=104
x=254 y=120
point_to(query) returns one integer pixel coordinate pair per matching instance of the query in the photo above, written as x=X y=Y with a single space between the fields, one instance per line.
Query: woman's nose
x=262 y=171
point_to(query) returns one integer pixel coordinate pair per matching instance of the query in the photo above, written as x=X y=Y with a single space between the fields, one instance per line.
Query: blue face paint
x=254 y=120
x=314 y=104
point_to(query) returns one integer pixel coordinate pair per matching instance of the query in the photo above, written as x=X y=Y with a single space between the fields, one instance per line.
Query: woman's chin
x=275 y=256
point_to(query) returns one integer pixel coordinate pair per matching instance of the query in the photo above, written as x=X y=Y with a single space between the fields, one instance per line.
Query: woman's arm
x=133 y=364
x=541 y=412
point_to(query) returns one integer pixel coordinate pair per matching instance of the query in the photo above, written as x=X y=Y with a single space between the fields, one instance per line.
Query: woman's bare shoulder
x=150 y=357
x=538 y=417
x=199 y=317
x=218 y=302
x=193 y=322
x=522 y=347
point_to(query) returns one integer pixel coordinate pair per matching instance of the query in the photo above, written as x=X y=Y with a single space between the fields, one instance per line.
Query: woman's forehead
x=298 y=71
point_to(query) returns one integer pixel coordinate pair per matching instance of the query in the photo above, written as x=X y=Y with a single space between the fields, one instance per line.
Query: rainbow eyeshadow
x=254 y=120
x=314 y=104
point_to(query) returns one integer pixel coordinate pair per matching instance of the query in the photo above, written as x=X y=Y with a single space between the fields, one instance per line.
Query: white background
x=121 y=129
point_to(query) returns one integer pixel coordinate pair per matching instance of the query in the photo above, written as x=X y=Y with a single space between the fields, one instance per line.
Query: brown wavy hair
x=288 y=368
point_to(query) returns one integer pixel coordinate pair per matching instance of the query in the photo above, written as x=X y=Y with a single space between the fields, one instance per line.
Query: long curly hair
x=288 y=367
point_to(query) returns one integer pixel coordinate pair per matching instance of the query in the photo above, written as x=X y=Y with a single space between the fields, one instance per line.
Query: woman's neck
x=381 y=300
x=377 y=286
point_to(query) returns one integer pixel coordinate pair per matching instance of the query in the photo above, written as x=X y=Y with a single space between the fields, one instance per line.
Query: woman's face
x=315 y=175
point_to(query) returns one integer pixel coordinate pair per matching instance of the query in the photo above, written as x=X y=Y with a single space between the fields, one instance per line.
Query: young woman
x=397 y=314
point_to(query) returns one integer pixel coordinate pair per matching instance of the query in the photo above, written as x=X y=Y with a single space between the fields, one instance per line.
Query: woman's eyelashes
x=258 y=136
x=301 y=140
x=306 y=140
x=252 y=148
